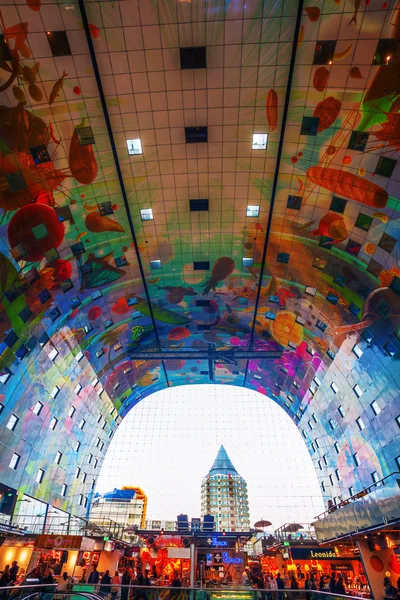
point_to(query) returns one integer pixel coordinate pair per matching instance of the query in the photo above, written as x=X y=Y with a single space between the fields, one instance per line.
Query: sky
x=168 y=442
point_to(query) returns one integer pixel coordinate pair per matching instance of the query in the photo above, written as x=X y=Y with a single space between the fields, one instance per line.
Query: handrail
x=358 y=496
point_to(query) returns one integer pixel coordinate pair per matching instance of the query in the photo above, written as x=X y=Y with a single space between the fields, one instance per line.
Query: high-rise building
x=224 y=495
x=125 y=507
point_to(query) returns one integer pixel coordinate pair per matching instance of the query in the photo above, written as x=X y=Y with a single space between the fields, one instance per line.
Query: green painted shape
x=161 y=314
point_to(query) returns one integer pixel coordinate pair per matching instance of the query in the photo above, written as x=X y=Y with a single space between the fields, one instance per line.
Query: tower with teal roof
x=224 y=495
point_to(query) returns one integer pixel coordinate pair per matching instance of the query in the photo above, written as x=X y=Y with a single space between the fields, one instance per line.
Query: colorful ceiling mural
x=181 y=242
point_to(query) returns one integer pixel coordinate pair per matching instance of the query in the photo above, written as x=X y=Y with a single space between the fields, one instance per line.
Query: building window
x=357 y=390
x=310 y=425
x=14 y=461
x=95 y=463
x=12 y=422
x=84 y=477
x=337 y=473
x=71 y=411
x=351 y=491
x=90 y=458
x=334 y=387
x=375 y=407
x=104 y=425
x=53 y=354
x=97 y=442
x=331 y=479
x=37 y=408
x=325 y=460
x=39 y=476
x=77 y=472
x=331 y=424
x=375 y=477
x=322 y=486
x=252 y=211
x=80 y=499
x=356 y=459
x=99 y=417
x=341 y=411
x=146 y=214
x=316 y=442
x=336 y=446
x=314 y=418
x=77 y=388
x=320 y=465
x=53 y=423
x=259 y=141
x=360 y=423
x=134 y=146
x=77 y=446
x=82 y=424
x=58 y=458
x=64 y=489
x=86 y=502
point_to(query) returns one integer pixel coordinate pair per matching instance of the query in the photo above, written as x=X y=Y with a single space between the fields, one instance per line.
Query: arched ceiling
x=79 y=80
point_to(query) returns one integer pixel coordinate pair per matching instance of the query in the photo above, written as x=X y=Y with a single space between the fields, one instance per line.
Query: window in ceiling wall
x=201 y=265
x=105 y=208
x=336 y=446
x=387 y=242
x=351 y=491
x=357 y=351
x=324 y=51
x=390 y=348
x=283 y=257
x=385 y=166
x=360 y=423
x=363 y=222
x=374 y=476
x=331 y=479
x=54 y=392
x=53 y=423
x=260 y=141
x=146 y=214
x=134 y=146
x=53 y=354
x=294 y=202
x=44 y=295
x=39 y=476
x=58 y=457
x=21 y=352
x=320 y=465
x=398 y=421
x=71 y=411
x=64 y=488
x=11 y=339
x=155 y=264
x=375 y=407
x=356 y=459
x=77 y=388
x=12 y=422
x=357 y=390
x=199 y=205
x=13 y=464
x=374 y=267
x=338 y=205
x=193 y=58
x=85 y=135
x=25 y=314
x=252 y=211
x=37 y=409
x=16 y=181
x=58 y=42
x=322 y=486
x=353 y=247
x=196 y=135
x=331 y=424
x=78 y=249
x=40 y=154
x=309 y=126
x=386 y=50
x=341 y=411
x=358 y=140
x=247 y=262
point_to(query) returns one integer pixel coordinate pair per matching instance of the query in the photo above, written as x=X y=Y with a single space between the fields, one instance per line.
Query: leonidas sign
x=64 y=542
x=313 y=553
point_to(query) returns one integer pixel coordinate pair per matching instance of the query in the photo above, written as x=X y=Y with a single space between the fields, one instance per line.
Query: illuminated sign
x=228 y=560
x=214 y=541
x=313 y=553
x=286 y=543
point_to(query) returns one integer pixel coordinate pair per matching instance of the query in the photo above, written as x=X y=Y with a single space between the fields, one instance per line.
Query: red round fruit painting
x=36 y=229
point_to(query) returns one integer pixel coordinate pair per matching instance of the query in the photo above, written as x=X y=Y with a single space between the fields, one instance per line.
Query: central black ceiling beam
x=103 y=101
x=278 y=159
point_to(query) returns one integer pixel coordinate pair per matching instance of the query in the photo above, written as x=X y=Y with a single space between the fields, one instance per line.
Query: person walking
x=115 y=583
x=125 y=582
x=94 y=576
x=105 y=583
x=14 y=572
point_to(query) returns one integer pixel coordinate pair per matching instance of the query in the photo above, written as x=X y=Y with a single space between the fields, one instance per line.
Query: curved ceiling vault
x=316 y=215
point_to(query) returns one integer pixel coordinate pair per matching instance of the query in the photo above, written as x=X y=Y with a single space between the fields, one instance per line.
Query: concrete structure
x=224 y=495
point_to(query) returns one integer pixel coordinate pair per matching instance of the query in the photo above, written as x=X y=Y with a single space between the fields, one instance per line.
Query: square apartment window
x=37 y=408
x=99 y=417
x=320 y=465
x=134 y=146
x=77 y=446
x=358 y=141
x=53 y=354
x=96 y=462
x=40 y=154
x=85 y=135
x=387 y=242
x=5 y=375
x=322 y=486
x=357 y=390
x=375 y=407
x=77 y=472
x=363 y=222
x=58 y=42
x=71 y=411
x=336 y=446
x=247 y=262
x=294 y=202
x=16 y=181
x=54 y=392
x=351 y=491
x=357 y=351
x=80 y=499
x=90 y=458
x=309 y=126
x=155 y=264
x=337 y=473
x=39 y=476
x=193 y=58
x=196 y=135
x=331 y=424
x=385 y=166
x=331 y=480
x=58 y=457
x=338 y=205
x=356 y=459
x=341 y=411
x=12 y=422
x=146 y=214
x=260 y=141
x=324 y=51
x=53 y=423
x=398 y=421
x=64 y=488
x=375 y=477
x=252 y=211
x=84 y=477
x=386 y=49
x=13 y=464
x=314 y=418
x=316 y=442
x=353 y=247
x=334 y=387
x=310 y=425
x=360 y=423
x=105 y=208
x=82 y=424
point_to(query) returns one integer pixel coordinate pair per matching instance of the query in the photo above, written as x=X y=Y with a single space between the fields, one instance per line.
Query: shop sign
x=229 y=560
x=216 y=542
x=313 y=553
x=341 y=567
x=72 y=542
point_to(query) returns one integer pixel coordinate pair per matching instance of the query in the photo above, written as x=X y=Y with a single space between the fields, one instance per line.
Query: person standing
x=94 y=576
x=280 y=585
x=14 y=572
x=5 y=577
x=175 y=583
x=294 y=586
x=115 y=582
x=339 y=587
x=332 y=583
x=126 y=582
x=105 y=583
x=307 y=587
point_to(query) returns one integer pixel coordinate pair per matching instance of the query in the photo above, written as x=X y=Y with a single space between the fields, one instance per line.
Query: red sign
x=59 y=542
